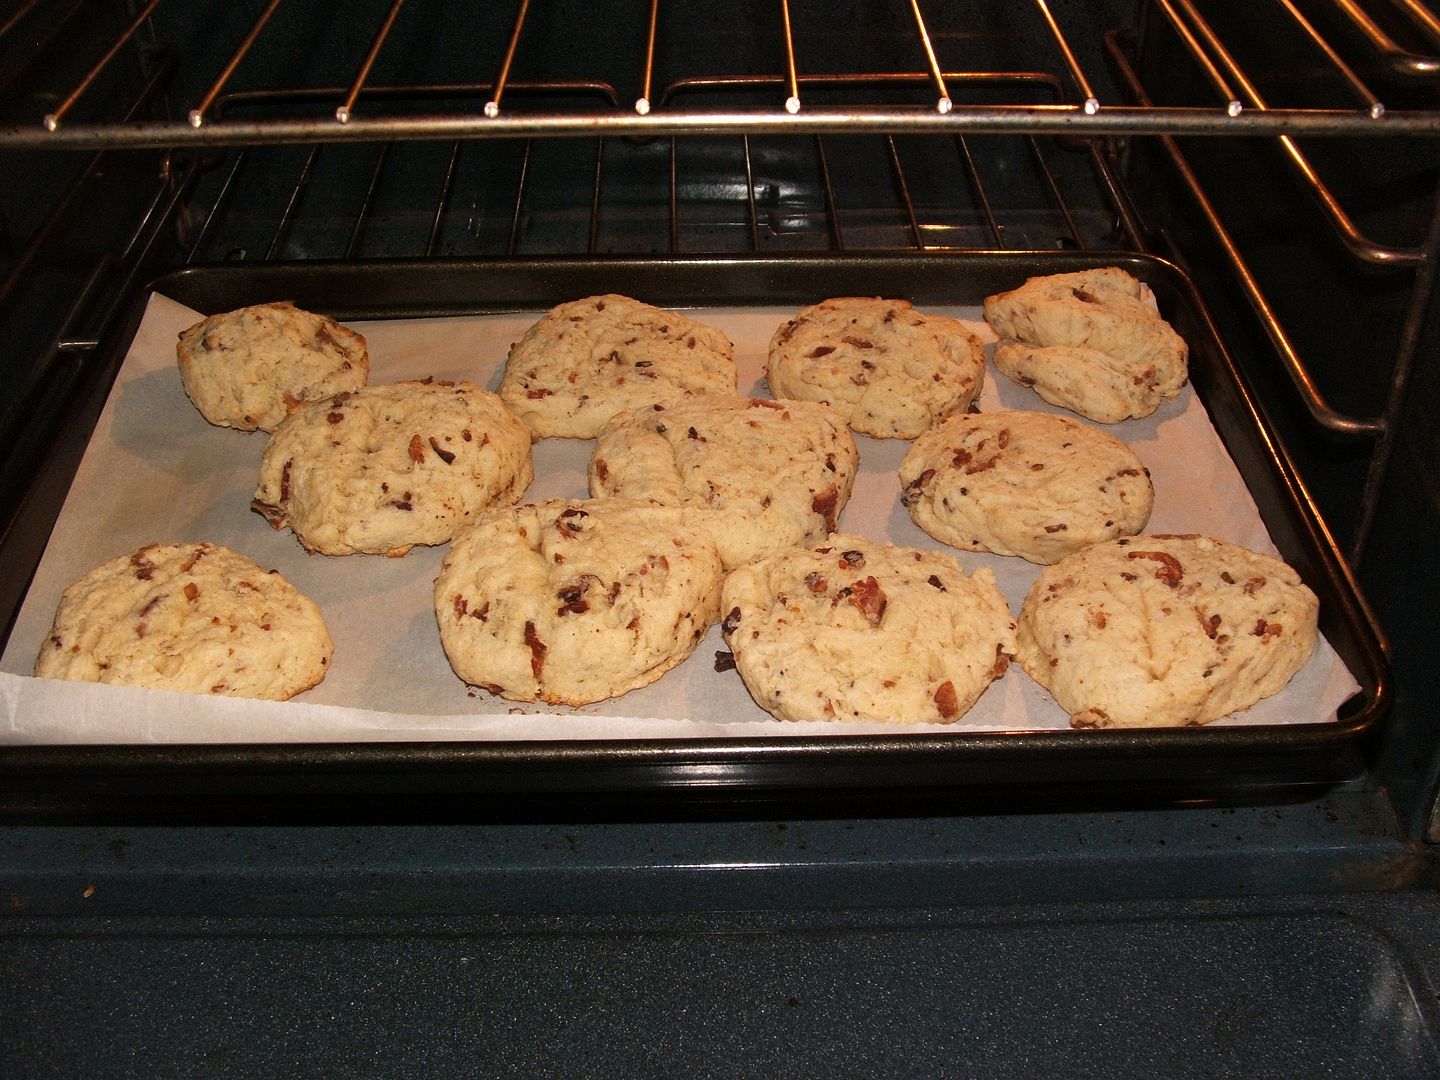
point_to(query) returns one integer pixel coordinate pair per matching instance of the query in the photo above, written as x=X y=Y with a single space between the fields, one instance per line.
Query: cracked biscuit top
x=589 y=359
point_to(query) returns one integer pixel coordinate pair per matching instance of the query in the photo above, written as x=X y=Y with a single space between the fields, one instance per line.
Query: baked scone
x=1091 y=341
x=858 y=630
x=247 y=368
x=198 y=618
x=571 y=602
x=387 y=467
x=760 y=475
x=889 y=370
x=586 y=360
x=1031 y=484
x=1165 y=630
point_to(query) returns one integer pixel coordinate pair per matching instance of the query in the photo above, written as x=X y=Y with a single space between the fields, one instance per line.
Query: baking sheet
x=156 y=471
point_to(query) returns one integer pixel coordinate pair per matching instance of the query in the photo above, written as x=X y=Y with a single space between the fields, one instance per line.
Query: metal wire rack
x=775 y=155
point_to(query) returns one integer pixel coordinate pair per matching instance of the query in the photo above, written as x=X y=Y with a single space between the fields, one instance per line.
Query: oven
x=1231 y=900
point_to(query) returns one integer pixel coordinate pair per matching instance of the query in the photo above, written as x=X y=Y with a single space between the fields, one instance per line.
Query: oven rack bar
x=1086 y=115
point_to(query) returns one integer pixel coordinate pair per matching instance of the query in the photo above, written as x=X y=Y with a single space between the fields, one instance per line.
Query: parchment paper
x=156 y=471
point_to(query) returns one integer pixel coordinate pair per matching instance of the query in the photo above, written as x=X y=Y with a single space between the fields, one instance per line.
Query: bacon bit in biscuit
x=1056 y=528
x=1003 y=438
x=916 y=488
x=819 y=351
x=482 y=612
x=852 y=560
x=417 y=449
x=732 y=621
x=815 y=582
x=634 y=623
x=1169 y=571
x=869 y=600
x=465 y=434
x=1085 y=297
x=829 y=462
x=443 y=454
x=461 y=605
x=144 y=569
x=1211 y=623
x=1267 y=630
x=724 y=661
x=570 y=520
x=961 y=457
x=602 y=470
x=858 y=343
x=946 y=700
x=335 y=417
x=291 y=402
x=218 y=688
x=1097 y=619
x=693 y=434
x=572 y=597
x=1090 y=718
x=1254 y=585
x=934 y=581
x=402 y=504
x=1002 y=661
x=538 y=393
x=824 y=504
x=980 y=466
x=538 y=649
x=195 y=556
x=192 y=591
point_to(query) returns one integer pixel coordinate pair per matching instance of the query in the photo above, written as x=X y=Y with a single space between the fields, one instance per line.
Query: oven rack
x=1062 y=111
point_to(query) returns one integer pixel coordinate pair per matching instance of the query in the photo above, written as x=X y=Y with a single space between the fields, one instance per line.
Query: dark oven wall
x=85 y=222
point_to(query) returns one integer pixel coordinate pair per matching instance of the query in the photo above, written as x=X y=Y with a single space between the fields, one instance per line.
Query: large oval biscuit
x=1165 y=630
x=860 y=631
x=1090 y=341
x=571 y=602
x=589 y=359
x=387 y=467
x=891 y=371
x=1024 y=483
x=248 y=368
x=198 y=618
x=761 y=475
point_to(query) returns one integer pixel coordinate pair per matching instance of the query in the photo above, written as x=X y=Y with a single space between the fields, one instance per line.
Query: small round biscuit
x=1024 y=483
x=1091 y=342
x=587 y=360
x=247 y=368
x=856 y=630
x=198 y=618
x=387 y=467
x=1165 y=631
x=760 y=475
x=571 y=602
x=889 y=370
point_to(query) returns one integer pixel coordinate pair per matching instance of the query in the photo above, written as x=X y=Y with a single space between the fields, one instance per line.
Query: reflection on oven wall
x=1332 y=229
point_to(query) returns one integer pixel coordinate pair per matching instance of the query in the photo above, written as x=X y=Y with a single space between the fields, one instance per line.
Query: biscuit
x=1091 y=342
x=760 y=475
x=387 y=467
x=247 y=368
x=199 y=618
x=1024 y=483
x=571 y=602
x=1165 y=631
x=855 y=630
x=890 y=371
x=587 y=360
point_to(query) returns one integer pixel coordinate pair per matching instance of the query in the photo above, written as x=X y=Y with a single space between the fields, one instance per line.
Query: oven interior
x=1284 y=154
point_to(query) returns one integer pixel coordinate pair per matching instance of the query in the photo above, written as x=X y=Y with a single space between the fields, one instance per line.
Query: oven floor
x=1288 y=941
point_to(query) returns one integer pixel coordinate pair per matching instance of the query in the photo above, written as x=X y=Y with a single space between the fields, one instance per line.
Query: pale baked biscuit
x=391 y=466
x=247 y=368
x=1165 y=631
x=587 y=360
x=1024 y=483
x=889 y=370
x=199 y=618
x=761 y=475
x=570 y=602
x=857 y=630
x=1090 y=341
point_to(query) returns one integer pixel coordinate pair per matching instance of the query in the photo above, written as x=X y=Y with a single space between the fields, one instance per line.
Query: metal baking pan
x=890 y=771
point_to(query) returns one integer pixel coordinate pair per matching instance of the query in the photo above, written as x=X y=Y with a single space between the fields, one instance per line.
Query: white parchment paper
x=155 y=471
